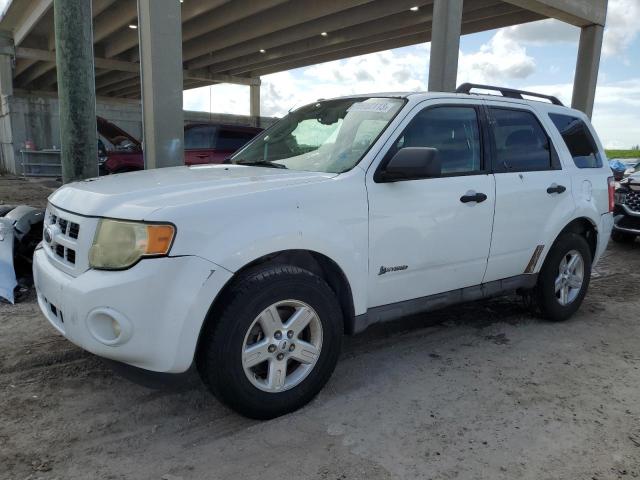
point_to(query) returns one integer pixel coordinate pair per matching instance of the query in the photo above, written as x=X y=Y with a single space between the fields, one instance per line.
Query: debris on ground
x=20 y=233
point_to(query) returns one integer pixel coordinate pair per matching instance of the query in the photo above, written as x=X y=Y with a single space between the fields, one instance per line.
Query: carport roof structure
x=237 y=41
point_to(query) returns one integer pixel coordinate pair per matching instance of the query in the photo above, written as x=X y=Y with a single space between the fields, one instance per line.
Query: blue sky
x=539 y=56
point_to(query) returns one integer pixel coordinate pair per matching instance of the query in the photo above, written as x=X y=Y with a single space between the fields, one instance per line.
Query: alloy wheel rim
x=282 y=346
x=570 y=278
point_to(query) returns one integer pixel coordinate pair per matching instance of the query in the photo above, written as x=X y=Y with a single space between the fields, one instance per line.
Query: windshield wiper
x=262 y=163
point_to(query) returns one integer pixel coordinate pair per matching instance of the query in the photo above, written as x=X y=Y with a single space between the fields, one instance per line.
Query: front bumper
x=158 y=307
x=626 y=220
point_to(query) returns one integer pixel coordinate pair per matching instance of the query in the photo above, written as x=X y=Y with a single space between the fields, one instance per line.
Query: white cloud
x=387 y=71
x=223 y=98
x=622 y=26
x=499 y=60
x=615 y=113
x=542 y=33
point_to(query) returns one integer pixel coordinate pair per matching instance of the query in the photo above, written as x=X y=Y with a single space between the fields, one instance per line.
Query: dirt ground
x=480 y=391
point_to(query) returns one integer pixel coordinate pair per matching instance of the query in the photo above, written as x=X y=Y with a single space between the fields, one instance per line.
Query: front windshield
x=328 y=136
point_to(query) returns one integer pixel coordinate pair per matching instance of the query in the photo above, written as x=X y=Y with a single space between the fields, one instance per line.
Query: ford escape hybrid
x=347 y=212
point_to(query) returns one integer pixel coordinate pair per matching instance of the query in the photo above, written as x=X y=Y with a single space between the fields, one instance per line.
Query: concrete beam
x=587 y=65
x=100 y=6
x=390 y=27
x=113 y=19
x=35 y=12
x=275 y=19
x=390 y=23
x=122 y=66
x=76 y=91
x=128 y=39
x=160 y=28
x=372 y=45
x=22 y=65
x=576 y=12
x=445 y=45
x=329 y=23
x=35 y=72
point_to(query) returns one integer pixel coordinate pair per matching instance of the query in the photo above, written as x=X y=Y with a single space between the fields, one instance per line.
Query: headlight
x=118 y=244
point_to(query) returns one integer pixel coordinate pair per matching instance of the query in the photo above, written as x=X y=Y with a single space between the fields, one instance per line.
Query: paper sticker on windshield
x=380 y=107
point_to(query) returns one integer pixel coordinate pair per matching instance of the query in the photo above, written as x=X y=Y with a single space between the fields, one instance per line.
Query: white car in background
x=346 y=213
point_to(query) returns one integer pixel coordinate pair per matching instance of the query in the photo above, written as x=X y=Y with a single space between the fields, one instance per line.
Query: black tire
x=219 y=358
x=545 y=293
x=621 y=237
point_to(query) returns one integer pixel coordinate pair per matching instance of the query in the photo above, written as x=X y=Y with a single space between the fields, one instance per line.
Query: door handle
x=202 y=155
x=473 y=197
x=555 y=188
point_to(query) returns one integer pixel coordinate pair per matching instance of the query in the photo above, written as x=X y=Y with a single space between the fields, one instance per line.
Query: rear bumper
x=604 y=235
x=158 y=307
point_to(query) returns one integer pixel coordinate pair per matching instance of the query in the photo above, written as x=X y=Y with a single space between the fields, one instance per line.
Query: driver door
x=426 y=237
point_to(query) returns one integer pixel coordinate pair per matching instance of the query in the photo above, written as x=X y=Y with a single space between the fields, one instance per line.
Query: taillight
x=612 y=191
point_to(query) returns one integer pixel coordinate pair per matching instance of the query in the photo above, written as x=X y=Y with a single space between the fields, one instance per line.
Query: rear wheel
x=564 y=278
x=274 y=344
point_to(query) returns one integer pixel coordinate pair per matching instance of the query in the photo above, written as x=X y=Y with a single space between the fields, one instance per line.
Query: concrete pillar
x=586 y=77
x=6 y=75
x=7 y=157
x=160 y=30
x=76 y=89
x=254 y=104
x=445 y=44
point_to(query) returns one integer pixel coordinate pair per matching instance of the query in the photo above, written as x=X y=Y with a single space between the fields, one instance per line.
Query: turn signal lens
x=119 y=244
x=159 y=238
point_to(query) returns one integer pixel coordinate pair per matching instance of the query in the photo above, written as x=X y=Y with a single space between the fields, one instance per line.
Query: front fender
x=330 y=218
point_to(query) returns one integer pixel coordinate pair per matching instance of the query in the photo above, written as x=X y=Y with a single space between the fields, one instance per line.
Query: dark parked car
x=626 y=214
x=207 y=143
x=203 y=143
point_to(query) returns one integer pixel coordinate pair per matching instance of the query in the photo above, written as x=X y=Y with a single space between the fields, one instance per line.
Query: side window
x=232 y=141
x=200 y=137
x=453 y=131
x=521 y=143
x=578 y=139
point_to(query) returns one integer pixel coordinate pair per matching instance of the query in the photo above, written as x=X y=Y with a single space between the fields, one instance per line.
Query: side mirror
x=411 y=163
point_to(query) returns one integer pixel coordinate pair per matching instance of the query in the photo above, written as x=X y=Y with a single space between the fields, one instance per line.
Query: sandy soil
x=480 y=391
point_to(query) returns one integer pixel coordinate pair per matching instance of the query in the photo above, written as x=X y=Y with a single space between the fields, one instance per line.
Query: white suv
x=346 y=213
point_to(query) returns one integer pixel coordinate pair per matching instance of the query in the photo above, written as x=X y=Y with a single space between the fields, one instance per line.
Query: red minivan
x=203 y=143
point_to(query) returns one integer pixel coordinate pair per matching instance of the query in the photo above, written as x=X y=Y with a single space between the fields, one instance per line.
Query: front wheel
x=274 y=343
x=564 y=278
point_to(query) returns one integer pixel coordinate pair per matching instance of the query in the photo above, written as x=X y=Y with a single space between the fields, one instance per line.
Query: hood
x=115 y=134
x=135 y=195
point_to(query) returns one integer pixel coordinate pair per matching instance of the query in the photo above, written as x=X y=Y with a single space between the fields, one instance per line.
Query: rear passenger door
x=198 y=144
x=533 y=192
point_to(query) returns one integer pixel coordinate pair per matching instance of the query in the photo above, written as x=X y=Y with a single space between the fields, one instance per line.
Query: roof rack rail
x=507 y=92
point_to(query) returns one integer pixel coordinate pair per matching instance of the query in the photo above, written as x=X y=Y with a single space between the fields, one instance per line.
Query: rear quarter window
x=578 y=139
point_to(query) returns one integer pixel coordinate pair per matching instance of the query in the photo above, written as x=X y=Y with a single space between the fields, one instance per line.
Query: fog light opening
x=108 y=327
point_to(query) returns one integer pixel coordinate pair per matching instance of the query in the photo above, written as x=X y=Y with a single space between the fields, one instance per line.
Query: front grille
x=68 y=238
x=632 y=201
x=74 y=230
